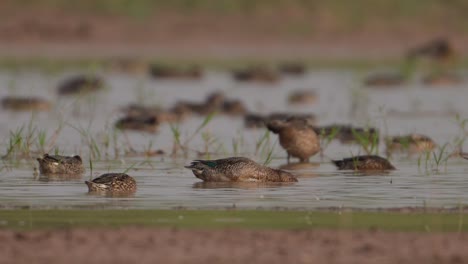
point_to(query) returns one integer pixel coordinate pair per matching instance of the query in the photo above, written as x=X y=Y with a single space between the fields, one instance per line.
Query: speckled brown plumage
x=80 y=84
x=25 y=104
x=112 y=183
x=237 y=169
x=413 y=143
x=139 y=123
x=364 y=163
x=296 y=137
x=56 y=164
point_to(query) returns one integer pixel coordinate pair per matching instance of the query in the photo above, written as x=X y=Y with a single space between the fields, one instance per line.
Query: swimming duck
x=213 y=103
x=439 y=50
x=25 y=104
x=80 y=84
x=442 y=79
x=56 y=164
x=139 y=123
x=162 y=115
x=413 y=143
x=348 y=134
x=257 y=73
x=302 y=97
x=385 y=80
x=292 y=68
x=296 y=137
x=112 y=183
x=237 y=169
x=164 y=71
x=364 y=163
x=233 y=107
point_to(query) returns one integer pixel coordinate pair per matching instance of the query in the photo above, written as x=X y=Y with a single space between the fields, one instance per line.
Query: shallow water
x=164 y=183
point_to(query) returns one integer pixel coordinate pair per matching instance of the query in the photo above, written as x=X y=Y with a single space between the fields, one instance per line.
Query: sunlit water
x=164 y=183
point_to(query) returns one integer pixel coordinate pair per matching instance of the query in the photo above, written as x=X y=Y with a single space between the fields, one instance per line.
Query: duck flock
x=297 y=133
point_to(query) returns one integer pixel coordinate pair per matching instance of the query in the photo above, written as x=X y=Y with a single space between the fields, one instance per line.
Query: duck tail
x=90 y=185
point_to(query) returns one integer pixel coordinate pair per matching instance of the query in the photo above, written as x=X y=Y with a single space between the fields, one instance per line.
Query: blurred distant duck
x=213 y=103
x=292 y=68
x=297 y=137
x=80 y=84
x=442 y=79
x=168 y=72
x=385 y=80
x=25 y=104
x=257 y=74
x=55 y=164
x=252 y=120
x=237 y=169
x=348 y=134
x=162 y=115
x=364 y=163
x=142 y=123
x=302 y=97
x=439 y=50
x=112 y=183
x=413 y=143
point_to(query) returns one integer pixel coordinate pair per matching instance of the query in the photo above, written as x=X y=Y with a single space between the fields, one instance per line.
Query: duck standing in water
x=56 y=164
x=364 y=163
x=237 y=169
x=297 y=137
x=112 y=183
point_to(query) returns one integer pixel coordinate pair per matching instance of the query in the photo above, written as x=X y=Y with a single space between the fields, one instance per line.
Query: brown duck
x=364 y=163
x=296 y=137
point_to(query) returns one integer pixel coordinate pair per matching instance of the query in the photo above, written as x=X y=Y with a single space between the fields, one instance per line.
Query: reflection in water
x=112 y=194
x=364 y=173
x=240 y=185
x=301 y=169
x=49 y=177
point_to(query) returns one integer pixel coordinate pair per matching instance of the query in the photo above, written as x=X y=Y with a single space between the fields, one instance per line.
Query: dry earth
x=145 y=245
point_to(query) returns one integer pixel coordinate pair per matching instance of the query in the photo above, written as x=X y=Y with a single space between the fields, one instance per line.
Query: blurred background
x=256 y=29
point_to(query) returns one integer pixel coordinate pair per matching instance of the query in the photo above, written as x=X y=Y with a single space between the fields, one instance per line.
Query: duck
x=385 y=80
x=257 y=74
x=253 y=120
x=442 y=79
x=56 y=164
x=162 y=115
x=142 y=123
x=412 y=143
x=163 y=71
x=213 y=103
x=439 y=49
x=364 y=163
x=347 y=134
x=292 y=68
x=25 y=104
x=237 y=169
x=297 y=137
x=80 y=84
x=302 y=97
x=234 y=107
x=112 y=183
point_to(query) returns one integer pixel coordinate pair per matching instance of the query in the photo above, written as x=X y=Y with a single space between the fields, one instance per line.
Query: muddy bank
x=143 y=245
x=32 y=32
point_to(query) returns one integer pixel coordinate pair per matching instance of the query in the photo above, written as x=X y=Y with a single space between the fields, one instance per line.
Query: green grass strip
x=39 y=219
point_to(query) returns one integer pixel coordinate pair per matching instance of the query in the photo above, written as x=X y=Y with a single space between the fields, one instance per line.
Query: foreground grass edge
x=18 y=219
